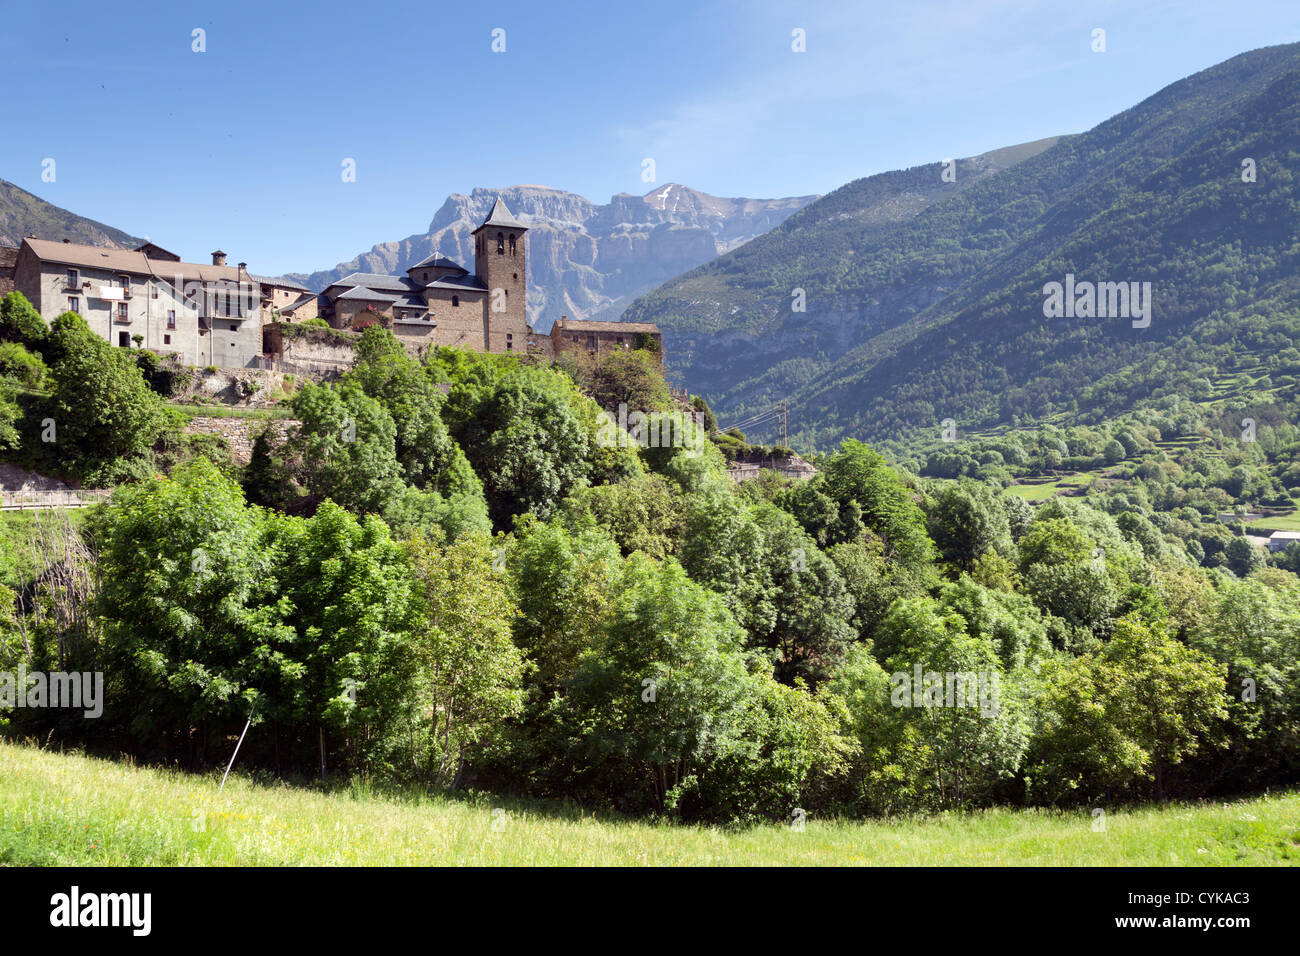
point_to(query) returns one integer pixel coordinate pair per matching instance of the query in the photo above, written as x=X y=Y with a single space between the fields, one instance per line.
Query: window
x=153 y=289
x=126 y=285
x=501 y=244
x=167 y=340
x=425 y=276
x=74 y=304
x=122 y=315
x=455 y=301
x=171 y=318
x=512 y=245
x=74 y=279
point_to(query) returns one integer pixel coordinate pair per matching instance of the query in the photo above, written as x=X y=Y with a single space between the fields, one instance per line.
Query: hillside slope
x=941 y=315
x=23 y=214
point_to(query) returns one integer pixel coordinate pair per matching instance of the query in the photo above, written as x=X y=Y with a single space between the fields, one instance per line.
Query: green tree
x=664 y=692
x=20 y=322
x=106 y=417
x=965 y=520
x=468 y=672
x=1123 y=716
x=187 y=600
x=344 y=447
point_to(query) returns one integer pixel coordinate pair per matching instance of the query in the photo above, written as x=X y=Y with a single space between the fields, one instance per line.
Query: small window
x=455 y=301
x=74 y=279
x=74 y=304
x=167 y=340
x=126 y=284
x=425 y=275
x=153 y=289
x=512 y=245
x=501 y=244
x=122 y=315
x=171 y=318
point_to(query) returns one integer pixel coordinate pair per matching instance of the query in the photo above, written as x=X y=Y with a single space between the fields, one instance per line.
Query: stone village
x=224 y=316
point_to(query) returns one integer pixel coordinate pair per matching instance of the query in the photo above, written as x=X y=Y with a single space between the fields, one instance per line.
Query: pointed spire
x=501 y=216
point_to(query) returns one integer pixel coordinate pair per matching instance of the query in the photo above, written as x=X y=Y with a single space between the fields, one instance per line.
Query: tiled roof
x=131 y=262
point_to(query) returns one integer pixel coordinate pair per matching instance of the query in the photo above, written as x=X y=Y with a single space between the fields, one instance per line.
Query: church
x=438 y=302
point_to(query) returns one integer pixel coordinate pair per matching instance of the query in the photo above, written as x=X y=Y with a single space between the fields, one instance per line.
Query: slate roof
x=467 y=283
x=280 y=283
x=371 y=280
x=501 y=216
x=436 y=261
x=299 y=302
x=368 y=295
x=578 y=325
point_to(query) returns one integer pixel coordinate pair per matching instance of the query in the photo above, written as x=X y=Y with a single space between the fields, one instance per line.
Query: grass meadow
x=67 y=809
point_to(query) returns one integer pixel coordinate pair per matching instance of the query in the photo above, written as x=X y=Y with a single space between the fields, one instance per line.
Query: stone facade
x=600 y=338
x=438 y=302
x=206 y=315
x=8 y=265
x=239 y=433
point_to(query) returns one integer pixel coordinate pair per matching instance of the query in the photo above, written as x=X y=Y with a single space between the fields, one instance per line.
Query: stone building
x=439 y=302
x=282 y=295
x=205 y=314
x=600 y=338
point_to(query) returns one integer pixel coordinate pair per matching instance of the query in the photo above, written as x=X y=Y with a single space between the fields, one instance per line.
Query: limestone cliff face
x=585 y=260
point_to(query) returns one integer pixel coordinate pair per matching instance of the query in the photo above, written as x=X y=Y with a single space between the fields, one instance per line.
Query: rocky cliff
x=586 y=261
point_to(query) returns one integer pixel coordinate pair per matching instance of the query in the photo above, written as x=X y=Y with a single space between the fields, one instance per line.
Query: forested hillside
x=941 y=316
x=457 y=572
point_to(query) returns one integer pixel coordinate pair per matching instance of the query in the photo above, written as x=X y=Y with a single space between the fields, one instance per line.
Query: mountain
x=925 y=299
x=585 y=260
x=22 y=214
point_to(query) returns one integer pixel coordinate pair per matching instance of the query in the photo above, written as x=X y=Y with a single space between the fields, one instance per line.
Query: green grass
x=229 y=411
x=61 y=809
x=1284 y=522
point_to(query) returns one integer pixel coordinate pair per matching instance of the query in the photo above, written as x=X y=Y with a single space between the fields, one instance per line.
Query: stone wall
x=239 y=433
x=8 y=262
x=319 y=350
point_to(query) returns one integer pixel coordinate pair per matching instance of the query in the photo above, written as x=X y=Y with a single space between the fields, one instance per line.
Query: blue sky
x=242 y=146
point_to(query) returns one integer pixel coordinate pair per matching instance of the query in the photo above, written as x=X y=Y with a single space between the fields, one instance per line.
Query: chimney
x=218 y=258
x=243 y=267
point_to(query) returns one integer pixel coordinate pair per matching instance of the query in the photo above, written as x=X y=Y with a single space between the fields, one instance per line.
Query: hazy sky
x=242 y=146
